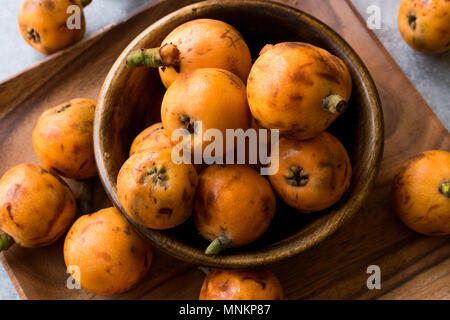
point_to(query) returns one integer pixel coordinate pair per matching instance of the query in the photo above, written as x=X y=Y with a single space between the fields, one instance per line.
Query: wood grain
x=412 y=266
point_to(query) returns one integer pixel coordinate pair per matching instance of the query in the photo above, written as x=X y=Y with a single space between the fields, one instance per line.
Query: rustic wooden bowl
x=130 y=100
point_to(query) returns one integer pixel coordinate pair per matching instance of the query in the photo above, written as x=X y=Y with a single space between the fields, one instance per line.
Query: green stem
x=205 y=270
x=444 y=188
x=85 y=198
x=335 y=104
x=166 y=56
x=219 y=244
x=6 y=241
x=85 y=3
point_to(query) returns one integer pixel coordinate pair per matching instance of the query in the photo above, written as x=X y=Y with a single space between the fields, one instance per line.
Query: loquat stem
x=444 y=188
x=335 y=104
x=85 y=3
x=166 y=56
x=205 y=270
x=219 y=244
x=6 y=241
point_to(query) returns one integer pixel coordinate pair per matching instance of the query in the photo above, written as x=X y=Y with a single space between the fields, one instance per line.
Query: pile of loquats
x=206 y=67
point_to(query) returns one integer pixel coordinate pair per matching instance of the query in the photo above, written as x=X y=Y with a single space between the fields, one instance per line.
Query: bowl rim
x=275 y=255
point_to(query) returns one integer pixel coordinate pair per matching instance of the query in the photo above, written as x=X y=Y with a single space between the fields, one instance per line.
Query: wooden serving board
x=412 y=266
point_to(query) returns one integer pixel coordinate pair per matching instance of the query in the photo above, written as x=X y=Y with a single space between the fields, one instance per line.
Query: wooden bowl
x=130 y=100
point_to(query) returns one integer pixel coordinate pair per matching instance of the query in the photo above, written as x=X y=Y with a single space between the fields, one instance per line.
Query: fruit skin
x=415 y=193
x=326 y=172
x=110 y=255
x=154 y=198
x=214 y=96
x=48 y=18
x=62 y=139
x=241 y=285
x=425 y=25
x=288 y=84
x=153 y=137
x=207 y=43
x=234 y=201
x=35 y=207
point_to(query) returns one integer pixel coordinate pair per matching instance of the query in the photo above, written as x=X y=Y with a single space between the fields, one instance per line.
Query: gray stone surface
x=429 y=74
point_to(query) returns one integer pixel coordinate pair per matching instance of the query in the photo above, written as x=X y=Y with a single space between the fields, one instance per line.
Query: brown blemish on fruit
x=167 y=211
x=230 y=76
x=90 y=225
x=76 y=149
x=227 y=36
x=49 y=5
x=11 y=217
x=436 y=206
x=63 y=108
x=295 y=98
x=407 y=198
x=54 y=218
x=330 y=77
x=225 y=287
x=266 y=207
x=83 y=165
x=299 y=76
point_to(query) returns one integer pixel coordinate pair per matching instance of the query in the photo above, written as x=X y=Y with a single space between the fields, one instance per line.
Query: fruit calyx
x=444 y=188
x=412 y=20
x=334 y=103
x=33 y=35
x=158 y=174
x=219 y=244
x=85 y=3
x=165 y=56
x=297 y=176
x=6 y=241
x=188 y=123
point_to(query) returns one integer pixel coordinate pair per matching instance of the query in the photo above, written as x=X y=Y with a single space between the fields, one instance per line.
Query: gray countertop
x=429 y=74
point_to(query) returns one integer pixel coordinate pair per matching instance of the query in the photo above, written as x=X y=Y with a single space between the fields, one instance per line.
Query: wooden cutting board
x=412 y=266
